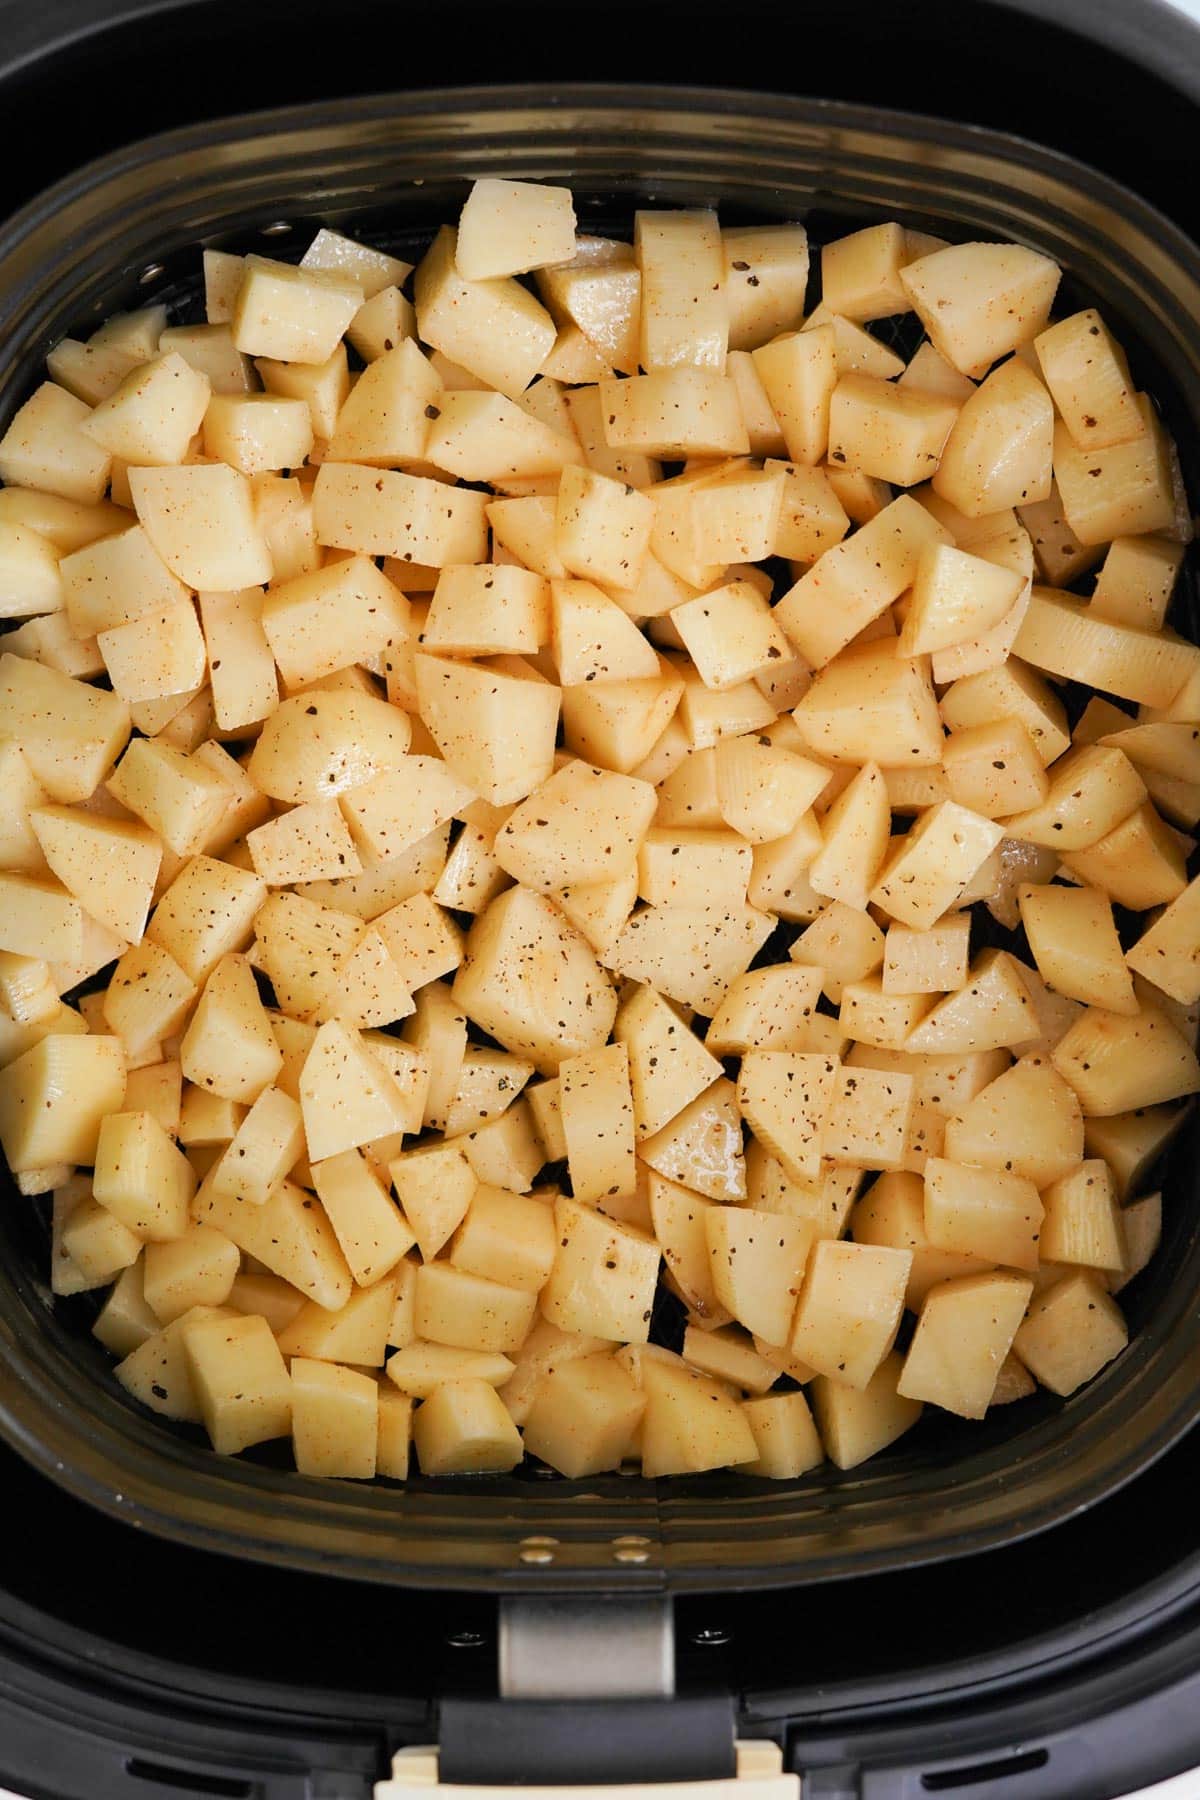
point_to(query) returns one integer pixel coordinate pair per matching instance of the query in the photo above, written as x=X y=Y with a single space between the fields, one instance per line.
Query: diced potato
x=933 y=864
x=869 y=1119
x=1117 y=1063
x=229 y=1046
x=357 y=1331
x=292 y=314
x=582 y=825
x=963 y=1335
x=731 y=635
x=197 y=1269
x=46 y=447
x=124 y=1322
x=1000 y=450
x=994 y=1011
x=892 y=1213
x=54 y=1098
x=69 y=732
x=668 y=1066
x=871 y=705
x=434 y=1186
x=603 y=1278
x=994 y=769
x=494 y=328
x=1060 y=634
x=765 y=1009
x=857 y=1423
x=690 y=1424
x=1074 y=941
x=1086 y=371
x=1168 y=952
x=1083 y=1222
x=153 y=414
x=347 y=1097
x=372 y=269
x=335 y=1420
x=321 y=622
x=1073 y=1329
x=158 y=1371
x=785 y=1098
x=978 y=301
x=200 y=519
x=849 y=1310
x=1119 y=491
x=582 y=1416
x=701 y=1146
x=142 y=1177
x=454 y=1307
x=757 y=1263
x=786 y=1438
x=240 y=1380
x=933 y=961
x=1135 y=584
x=463 y=1428
x=1027 y=1121
x=982 y=1212
x=798 y=371
x=956 y=596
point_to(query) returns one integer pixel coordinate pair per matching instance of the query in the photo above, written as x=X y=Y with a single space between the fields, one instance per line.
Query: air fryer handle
x=757 y=1774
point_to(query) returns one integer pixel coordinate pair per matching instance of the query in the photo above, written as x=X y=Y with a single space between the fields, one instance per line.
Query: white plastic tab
x=759 y=1776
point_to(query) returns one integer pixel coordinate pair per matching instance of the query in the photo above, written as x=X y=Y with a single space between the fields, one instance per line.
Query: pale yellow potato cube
x=156 y=1089
x=860 y=274
x=618 y=723
x=66 y=524
x=240 y=1380
x=811 y=517
x=709 y=714
x=454 y=1307
x=322 y=386
x=933 y=961
x=701 y=1146
x=1119 y=491
x=849 y=1310
x=853 y=582
x=583 y=825
x=373 y=269
x=708 y=869
x=389 y=513
x=158 y=654
x=211 y=352
x=690 y=1424
x=956 y=596
x=507 y=1238
x=488 y=609
x=149 y=996
x=509 y=227
x=843 y=943
x=385 y=418
x=1027 y=1121
x=46 y=447
x=97 y=1244
x=730 y=634
x=730 y=1354
x=39 y=918
x=766 y=277
x=435 y=1186
x=930 y=373
x=357 y=1332
x=307 y=843
x=593 y=640
x=257 y=433
x=1085 y=369
x=1083 y=1220
x=68 y=731
x=293 y=314
x=197 y=1269
x=315 y=746
x=418 y=1369
x=604 y=1276
x=1092 y=789
x=786 y=1439
x=423 y=941
x=963 y=1335
x=992 y=1013
x=268 y=1144
x=756 y=1263
x=869 y=1119
x=394 y=1434
x=229 y=1047
x=463 y=1428
x=689 y=954
x=494 y=722
x=892 y=433
x=207 y=1120
x=347 y=1096
x=89 y=371
x=1013 y=691
x=1071 y=1332
x=582 y=1416
x=178 y=797
x=785 y=1098
x=668 y=1065
x=1135 y=584
x=54 y=1098
x=158 y=1371
x=125 y=1321
x=1000 y=452
x=855 y=840
x=978 y=301
x=28 y=992
x=601 y=527
x=530 y=980
x=684 y=321
x=766 y=1009
x=1116 y=1064
x=289 y=1234
x=681 y=411
x=344 y=613
x=1168 y=952
x=335 y=1420
x=994 y=769
x=241 y=666
x=798 y=372
x=596 y=1107
x=301 y=947
x=892 y=1213
x=153 y=414
x=1074 y=941
x=872 y=1016
x=485 y=437
x=678 y=1216
x=381 y=323
x=982 y=1212
x=763 y=790
x=933 y=865
x=494 y=328
x=142 y=1177
x=1141 y=1233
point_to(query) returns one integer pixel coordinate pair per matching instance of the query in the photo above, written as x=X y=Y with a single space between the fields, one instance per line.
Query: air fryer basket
x=129 y=229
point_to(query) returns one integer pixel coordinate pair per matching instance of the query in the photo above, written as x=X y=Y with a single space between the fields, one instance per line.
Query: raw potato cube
x=158 y=1372
x=852 y=583
x=869 y=1119
x=855 y=841
x=678 y=1216
x=668 y=1066
x=69 y=732
x=158 y=654
x=495 y=723
x=46 y=447
x=963 y=1335
x=766 y=276
x=149 y=996
x=849 y=1310
x=892 y=1213
x=342 y=614
x=707 y=869
x=384 y=420
x=509 y=227
x=507 y=1238
x=335 y=1419
x=469 y=1312
x=681 y=412
x=857 y=1423
x=258 y=433
x=860 y=274
x=1119 y=491
x=240 y=1380
x=292 y=314
x=200 y=519
x=495 y=329
x=484 y=437
x=895 y=434
x=309 y=843
x=1072 y=1330
x=764 y=791
x=229 y=1047
x=995 y=769
x=604 y=1276
x=926 y=962
x=488 y=609
x=125 y=1321
x=684 y=321
x=418 y=1369
x=843 y=943
x=593 y=639
x=955 y=597
x=211 y=352
x=786 y=1438
x=54 y=1098
x=1168 y=952
x=97 y=1244
x=982 y=1212
x=757 y=1261
x=373 y=269
x=142 y=1177
x=39 y=919
x=1012 y=691
x=601 y=527
x=153 y=414
x=197 y=1269
x=179 y=798
x=463 y=1428
x=597 y=1121
x=1000 y=452
x=268 y=1144
x=1085 y=369
x=315 y=746
x=798 y=372
x=1135 y=584
x=435 y=1186
x=1116 y=1064
x=488 y=1084
x=346 y=1095
x=992 y=1013
x=785 y=1098
x=979 y=301
x=701 y=1146
x=1027 y=1121
x=582 y=1416
x=1074 y=942
x=394 y=1434
x=874 y=1017
x=765 y=1009
x=1083 y=1221
x=690 y=1424
x=934 y=863
x=358 y=1331
x=289 y=1233
x=206 y=1120
x=389 y=513
x=730 y=634
x=1060 y=635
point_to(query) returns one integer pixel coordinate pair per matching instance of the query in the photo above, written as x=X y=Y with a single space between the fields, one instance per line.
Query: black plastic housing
x=128 y=229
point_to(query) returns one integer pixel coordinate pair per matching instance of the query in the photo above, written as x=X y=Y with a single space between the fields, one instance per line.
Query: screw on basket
x=466 y=1639
x=710 y=1637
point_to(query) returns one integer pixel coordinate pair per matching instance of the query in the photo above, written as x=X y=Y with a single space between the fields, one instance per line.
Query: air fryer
x=1009 y=1611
